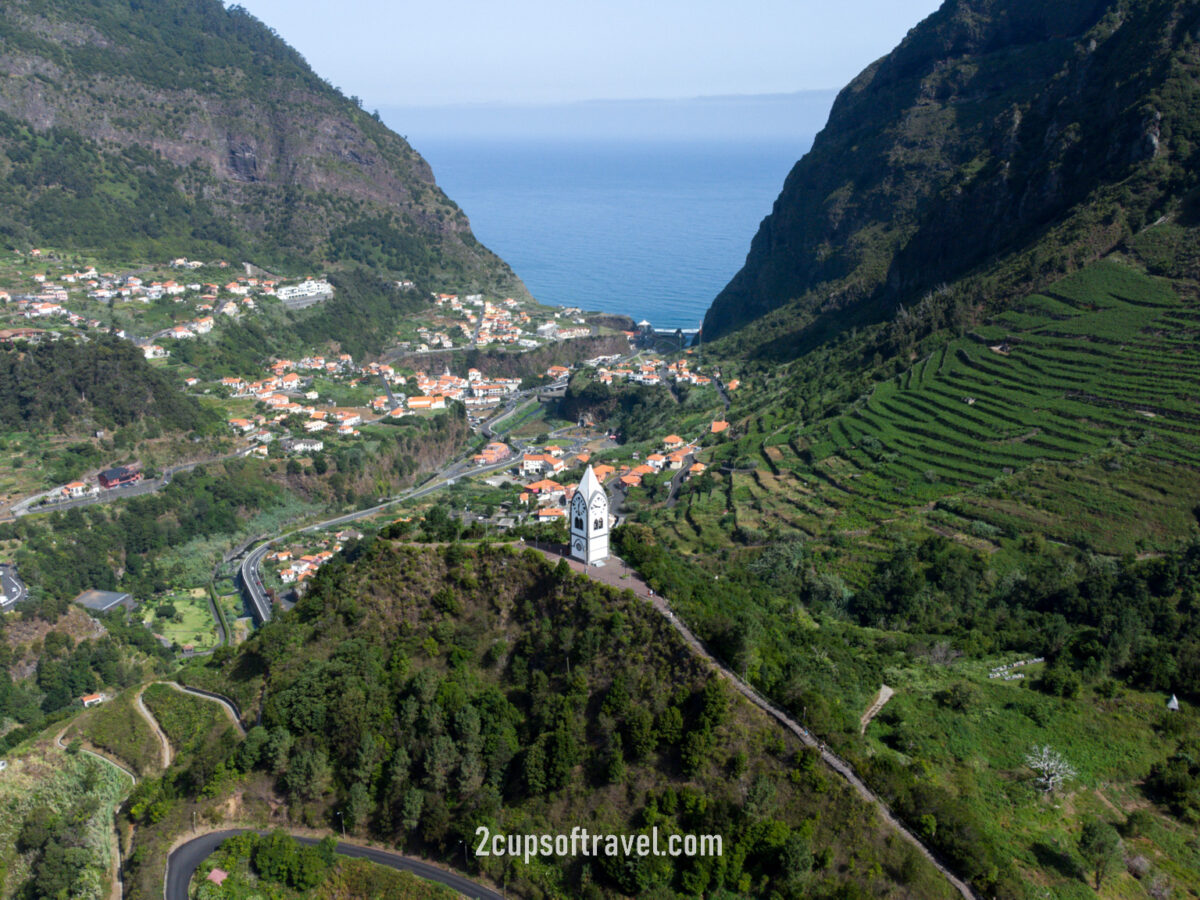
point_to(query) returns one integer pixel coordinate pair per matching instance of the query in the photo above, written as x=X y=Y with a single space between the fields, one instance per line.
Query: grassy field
x=117 y=728
x=1080 y=405
x=975 y=747
x=187 y=720
x=193 y=623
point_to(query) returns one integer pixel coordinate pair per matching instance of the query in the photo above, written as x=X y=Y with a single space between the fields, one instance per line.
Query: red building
x=118 y=476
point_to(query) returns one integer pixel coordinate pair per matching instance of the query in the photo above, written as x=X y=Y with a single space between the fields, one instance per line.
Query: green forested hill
x=146 y=130
x=105 y=383
x=424 y=692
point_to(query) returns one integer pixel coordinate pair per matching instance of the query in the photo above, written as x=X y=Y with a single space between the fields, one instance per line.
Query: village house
x=76 y=489
x=426 y=403
x=492 y=453
x=537 y=463
x=676 y=459
x=302 y=445
x=546 y=490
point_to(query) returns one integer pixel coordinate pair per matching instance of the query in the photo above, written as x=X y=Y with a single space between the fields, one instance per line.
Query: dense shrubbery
x=66 y=190
x=105 y=380
x=638 y=412
x=1136 y=620
x=64 y=826
x=361 y=317
x=66 y=670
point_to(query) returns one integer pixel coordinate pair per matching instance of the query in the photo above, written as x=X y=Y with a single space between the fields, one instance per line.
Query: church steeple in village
x=589 y=520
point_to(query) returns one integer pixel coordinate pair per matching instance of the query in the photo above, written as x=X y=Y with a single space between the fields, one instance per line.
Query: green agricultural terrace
x=1073 y=414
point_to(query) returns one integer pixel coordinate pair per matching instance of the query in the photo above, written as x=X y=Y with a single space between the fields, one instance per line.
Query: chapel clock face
x=599 y=513
x=579 y=545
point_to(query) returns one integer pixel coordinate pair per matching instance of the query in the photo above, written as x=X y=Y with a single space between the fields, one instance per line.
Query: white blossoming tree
x=1052 y=770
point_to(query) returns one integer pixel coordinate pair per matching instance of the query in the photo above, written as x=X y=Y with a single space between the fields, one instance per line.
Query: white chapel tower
x=589 y=520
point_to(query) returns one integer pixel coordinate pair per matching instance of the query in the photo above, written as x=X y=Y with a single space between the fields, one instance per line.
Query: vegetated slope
x=1009 y=141
x=1072 y=414
x=148 y=129
x=104 y=382
x=423 y=692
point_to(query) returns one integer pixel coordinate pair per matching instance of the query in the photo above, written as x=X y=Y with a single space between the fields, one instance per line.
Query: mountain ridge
x=224 y=119
x=990 y=132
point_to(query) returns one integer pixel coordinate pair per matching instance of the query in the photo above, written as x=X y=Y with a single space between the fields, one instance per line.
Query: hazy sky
x=435 y=52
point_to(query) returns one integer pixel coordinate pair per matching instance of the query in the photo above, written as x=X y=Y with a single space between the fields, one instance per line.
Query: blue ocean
x=650 y=229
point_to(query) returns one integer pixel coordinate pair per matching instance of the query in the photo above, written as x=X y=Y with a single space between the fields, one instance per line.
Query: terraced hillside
x=1073 y=414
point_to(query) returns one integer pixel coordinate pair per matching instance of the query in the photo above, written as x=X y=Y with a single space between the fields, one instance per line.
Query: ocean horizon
x=652 y=229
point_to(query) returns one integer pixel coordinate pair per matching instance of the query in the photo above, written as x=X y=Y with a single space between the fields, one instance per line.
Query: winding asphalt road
x=107 y=495
x=186 y=858
x=12 y=588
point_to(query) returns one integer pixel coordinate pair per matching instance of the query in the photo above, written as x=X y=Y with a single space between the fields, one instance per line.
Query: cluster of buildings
x=554 y=331
x=672 y=456
x=502 y=324
x=433 y=340
x=183 y=332
x=651 y=371
x=475 y=390
x=286 y=393
x=229 y=299
x=505 y=322
x=646 y=372
x=116 y=477
x=296 y=567
x=681 y=374
x=549 y=497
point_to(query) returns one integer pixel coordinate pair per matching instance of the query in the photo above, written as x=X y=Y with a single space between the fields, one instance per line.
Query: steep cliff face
x=256 y=152
x=997 y=129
